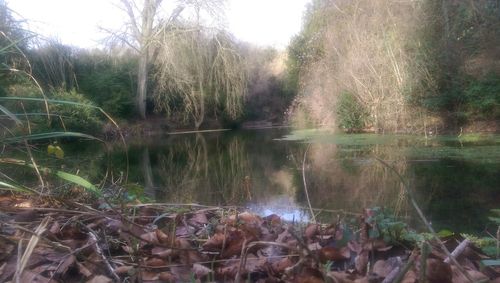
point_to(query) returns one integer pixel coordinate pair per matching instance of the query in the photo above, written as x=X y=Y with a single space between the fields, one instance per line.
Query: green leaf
x=11 y=187
x=490 y=262
x=495 y=219
x=61 y=174
x=77 y=180
x=445 y=233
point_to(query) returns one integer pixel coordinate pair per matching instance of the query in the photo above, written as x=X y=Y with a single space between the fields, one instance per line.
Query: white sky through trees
x=76 y=22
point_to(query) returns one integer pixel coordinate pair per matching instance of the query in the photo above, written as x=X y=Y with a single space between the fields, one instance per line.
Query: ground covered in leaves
x=42 y=241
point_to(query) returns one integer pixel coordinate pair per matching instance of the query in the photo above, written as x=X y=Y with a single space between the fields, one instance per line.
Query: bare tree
x=201 y=67
x=143 y=21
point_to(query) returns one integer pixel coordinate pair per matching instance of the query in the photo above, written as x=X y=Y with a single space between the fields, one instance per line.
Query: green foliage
x=306 y=47
x=12 y=43
x=68 y=111
x=482 y=98
x=351 y=114
x=387 y=227
x=75 y=118
x=108 y=81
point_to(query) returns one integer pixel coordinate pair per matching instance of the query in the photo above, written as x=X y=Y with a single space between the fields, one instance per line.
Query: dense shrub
x=482 y=98
x=108 y=81
x=351 y=114
x=408 y=63
x=81 y=116
x=78 y=115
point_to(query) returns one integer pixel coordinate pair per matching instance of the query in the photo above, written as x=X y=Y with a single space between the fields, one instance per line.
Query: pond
x=455 y=180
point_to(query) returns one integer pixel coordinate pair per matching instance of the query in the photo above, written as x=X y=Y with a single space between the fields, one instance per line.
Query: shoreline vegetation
x=66 y=241
x=356 y=66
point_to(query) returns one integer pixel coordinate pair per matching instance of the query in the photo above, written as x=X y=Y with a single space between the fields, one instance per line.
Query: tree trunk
x=142 y=83
x=149 y=187
x=201 y=116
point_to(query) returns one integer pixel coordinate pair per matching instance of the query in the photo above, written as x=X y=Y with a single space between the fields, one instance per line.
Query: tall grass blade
x=50 y=135
x=14 y=188
x=11 y=115
x=75 y=179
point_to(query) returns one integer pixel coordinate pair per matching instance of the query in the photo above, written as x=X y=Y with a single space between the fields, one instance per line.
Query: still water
x=456 y=180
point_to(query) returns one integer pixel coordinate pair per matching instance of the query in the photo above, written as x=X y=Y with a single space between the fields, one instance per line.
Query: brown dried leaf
x=83 y=270
x=384 y=267
x=150 y=275
x=214 y=243
x=312 y=230
x=341 y=277
x=150 y=237
x=410 y=277
x=361 y=261
x=279 y=266
x=29 y=276
x=199 y=218
x=155 y=262
x=100 y=279
x=163 y=252
x=474 y=274
x=167 y=277
x=162 y=237
x=273 y=220
x=309 y=275
x=55 y=228
x=330 y=254
x=438 y=271
x=200 y=270
x=124 y=269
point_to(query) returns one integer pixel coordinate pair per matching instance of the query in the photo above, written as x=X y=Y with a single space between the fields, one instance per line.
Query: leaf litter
x=169 y=243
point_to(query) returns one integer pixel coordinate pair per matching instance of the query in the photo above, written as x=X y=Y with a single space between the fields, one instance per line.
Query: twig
x=425 y=221
x=458 y=250
x=404 y=270
x=305 y=183
x=23 y=261
x=241 y=266
x=111 y=270
x=424 y=254
x=394 y=273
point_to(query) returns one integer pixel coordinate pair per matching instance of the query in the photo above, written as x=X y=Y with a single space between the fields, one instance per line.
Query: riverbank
x=63 y=241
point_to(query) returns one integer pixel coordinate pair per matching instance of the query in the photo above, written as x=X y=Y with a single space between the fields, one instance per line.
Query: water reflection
x=456 y=183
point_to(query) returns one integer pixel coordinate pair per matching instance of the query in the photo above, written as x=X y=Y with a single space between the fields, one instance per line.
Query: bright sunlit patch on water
x=283 y=206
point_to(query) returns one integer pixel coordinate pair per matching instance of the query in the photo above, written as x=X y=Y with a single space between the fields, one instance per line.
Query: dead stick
x=458 y=250
x=111 y=270
x=425 y=221
x=394 y=273
x=404 y=270
x=241 y=266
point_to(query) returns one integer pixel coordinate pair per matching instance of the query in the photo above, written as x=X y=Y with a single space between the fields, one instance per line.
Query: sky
x=76 y=22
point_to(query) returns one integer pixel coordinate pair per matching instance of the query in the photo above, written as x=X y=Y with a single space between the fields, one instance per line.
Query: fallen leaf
x=83 y=270
x=312 y=230
x=200 y=270
x=124 y=269
x=155 y=262
x=330 y=254
x=280 y=266
x=309 y=275
x=340 y=277
x=100 y=279
x=199 y=218
x=147 y=275
x=163 y=252
x=167 y=277
x=438 y=271
x=384 y=267
x=458 y=277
